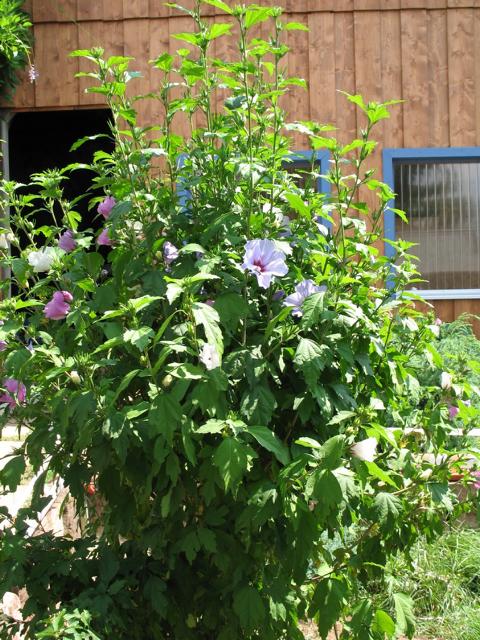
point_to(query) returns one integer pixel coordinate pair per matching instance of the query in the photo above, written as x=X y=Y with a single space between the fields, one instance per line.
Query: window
x=302 y=160
x=439 y=189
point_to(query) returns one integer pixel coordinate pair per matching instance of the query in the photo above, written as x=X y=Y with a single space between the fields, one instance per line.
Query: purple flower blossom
x=3 y=345
x=105 y=207
x=16 y=393
x=278 y=295
x=303 y=290
x=58 y=307
x=170 y=253
x=453 y=412
x=104 y=239
x=210 y=302
x=438 y=322
x=32 y=73
x=476 y=483
x=66 y=241
x=264 y=260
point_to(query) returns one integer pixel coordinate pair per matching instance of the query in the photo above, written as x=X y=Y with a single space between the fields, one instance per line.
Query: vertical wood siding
x=421 y=51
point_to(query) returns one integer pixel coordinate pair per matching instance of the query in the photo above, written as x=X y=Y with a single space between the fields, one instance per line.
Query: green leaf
x=255 y=14
x=311 y=358
x=249 y=607
x=375 y=471
x=312 y=309
x=163 y=62
x=174 y=290
x=295 y=26
x=139 y=337
x=232 y=459
x=404 y=614
x=327 y=602
x=165 y=416
x=12 y=472
x=297 y=204
x=220 y=5
x=207 y=317
x=270 y=441
x=217 y=29
x=342 y=416
x=330 y=453
x=212 y=426
x=383 y=623
x=191 y=38
x=258 y=404
x=137 y=304
x=387 y=508
x=124 y=383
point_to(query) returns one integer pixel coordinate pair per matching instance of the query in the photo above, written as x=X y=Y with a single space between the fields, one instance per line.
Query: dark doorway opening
x=42 y=140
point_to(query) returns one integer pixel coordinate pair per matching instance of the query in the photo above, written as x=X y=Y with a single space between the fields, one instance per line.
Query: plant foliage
x=222 y=368
x=15 y=44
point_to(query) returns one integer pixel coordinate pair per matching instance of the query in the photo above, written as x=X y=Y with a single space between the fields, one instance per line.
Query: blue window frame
x=439 y=189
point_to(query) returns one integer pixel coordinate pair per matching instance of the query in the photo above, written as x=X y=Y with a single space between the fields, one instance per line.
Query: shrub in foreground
x=221 y=367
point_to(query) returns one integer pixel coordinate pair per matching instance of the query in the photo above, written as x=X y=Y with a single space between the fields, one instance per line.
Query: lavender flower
x=59 y=306
x=3 y=345
x=170 y=253
x=16 y=393
x=66 y=241
x=453 y=412
x=104 y=239
x=105 y=207
x=303 y=290
x=264 y=260
x=32 y=73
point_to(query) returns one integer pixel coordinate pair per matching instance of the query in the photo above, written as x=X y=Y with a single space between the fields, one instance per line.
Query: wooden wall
x=422 y=51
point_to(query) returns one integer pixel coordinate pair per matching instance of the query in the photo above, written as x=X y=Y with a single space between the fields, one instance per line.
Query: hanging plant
x=15 y=45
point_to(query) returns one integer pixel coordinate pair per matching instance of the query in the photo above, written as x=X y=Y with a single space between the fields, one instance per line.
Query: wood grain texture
x=54 y=10
x=321 y=64
x=423 y=4
x=298 y=66
x=415 y=78
x=136 y=9
x=437 y=40
x=56 y=84
x=391 y=45
x=461 y=77
x=346 y=117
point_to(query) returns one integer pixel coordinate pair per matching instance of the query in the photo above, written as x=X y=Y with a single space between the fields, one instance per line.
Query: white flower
x=11 y=605
x=446 y=380
x=209 y=356
x=365 y=449
x=41 y=260
x=5 y=239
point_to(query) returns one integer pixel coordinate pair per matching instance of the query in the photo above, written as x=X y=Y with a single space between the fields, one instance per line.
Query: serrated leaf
x=249 y=607
x=404 y=613
x=330 y=453
x=218 y=29
x=271 y=442
x=232 y=459
x=12 y=472
x=295 y=26
x=383 y=623
x=341 y=417
x=326 y=604
x=207 y=317
x=375 y=471
x=165 y=416
x=220 y=5
x=258 y=404
x=212 y=426
x=139 y=337
x=387 y=508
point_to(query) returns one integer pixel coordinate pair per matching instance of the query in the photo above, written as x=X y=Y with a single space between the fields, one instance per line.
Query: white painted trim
x=447 y=294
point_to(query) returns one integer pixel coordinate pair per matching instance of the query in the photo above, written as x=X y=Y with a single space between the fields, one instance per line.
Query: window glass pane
x=441 y=200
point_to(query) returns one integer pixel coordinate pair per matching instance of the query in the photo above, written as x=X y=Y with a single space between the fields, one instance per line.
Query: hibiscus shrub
x=220 y=378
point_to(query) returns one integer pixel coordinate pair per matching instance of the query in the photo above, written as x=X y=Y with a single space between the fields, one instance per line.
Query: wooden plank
x=137 y=44
x=136 y=9
x=54 y=10
x=374 y=5
x=438 y=78
x=157 y=9
x=56 y=84
x=346 y=117
x=416 y=110
x=474 y=4
x=368 y=78
x=470 y=307
x=461 y=74
x=24 y=96
x=476 y=27
x=424 y=4
x=321 y=64
x=392 y=77
x=444 y=309
x=109 y=36
x=297 y=99
x=100 y=10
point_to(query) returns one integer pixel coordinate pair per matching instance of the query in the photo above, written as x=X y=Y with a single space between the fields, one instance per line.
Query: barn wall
x=421 y=51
